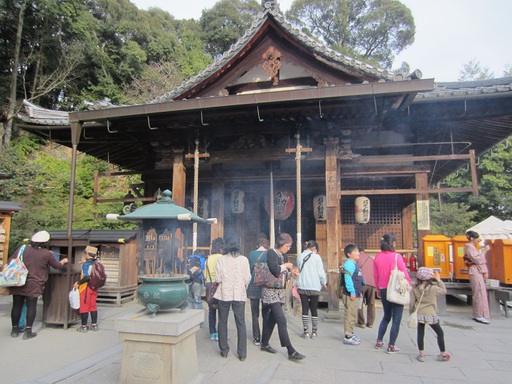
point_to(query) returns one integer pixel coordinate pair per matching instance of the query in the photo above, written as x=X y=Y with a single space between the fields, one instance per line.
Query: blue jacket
x=355 y=281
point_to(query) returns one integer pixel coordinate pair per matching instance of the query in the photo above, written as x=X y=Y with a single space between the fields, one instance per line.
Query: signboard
x=423 y=215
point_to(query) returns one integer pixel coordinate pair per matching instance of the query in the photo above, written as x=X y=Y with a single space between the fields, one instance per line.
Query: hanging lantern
x=237 y=201
x=362 y=205
x=319 y=208
x=202 y=207
x=284 y=202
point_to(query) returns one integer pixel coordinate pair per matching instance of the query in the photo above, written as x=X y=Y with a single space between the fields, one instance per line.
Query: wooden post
x=179 y=178
x=407 y=229
x=332 y=186
x=421 y=183
x=217 y=230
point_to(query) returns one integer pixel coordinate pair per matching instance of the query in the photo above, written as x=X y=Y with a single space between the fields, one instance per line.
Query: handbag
x=210 y=291
x=398 y=286
x=263 y=277
x=412 y=320
x=15 y=273
x=74 y=298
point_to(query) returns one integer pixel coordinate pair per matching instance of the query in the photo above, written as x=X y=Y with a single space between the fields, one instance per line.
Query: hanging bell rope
x=196 y=188
x=298 y=154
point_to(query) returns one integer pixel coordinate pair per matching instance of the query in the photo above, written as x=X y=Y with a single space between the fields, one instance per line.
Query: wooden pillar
x=421 y=183
x=333 y=223
x=217 y=230
x=179 y=178
x=407 y=228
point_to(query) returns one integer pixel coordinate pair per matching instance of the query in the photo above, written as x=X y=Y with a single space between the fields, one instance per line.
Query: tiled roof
x=468 y=88
x=10 y=206
x=95 y=236
x=271 y=9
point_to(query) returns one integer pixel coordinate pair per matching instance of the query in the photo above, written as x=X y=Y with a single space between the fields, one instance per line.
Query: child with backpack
x=93 y=277
x=424 y=296
x=352 y=292
x=194 y=267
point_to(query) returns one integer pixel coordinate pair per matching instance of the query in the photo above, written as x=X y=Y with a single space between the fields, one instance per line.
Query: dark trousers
x=17 y=304
x=369 y=300
x=212 y=315
x=309 y=303
x=273 y=314
x=439 y=332
x=392 y=311
x=255 y=315
x=239 y=312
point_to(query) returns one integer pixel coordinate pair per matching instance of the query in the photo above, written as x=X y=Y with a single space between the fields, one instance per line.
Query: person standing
x=478 y=273
x=218 y=246
x=273 y=300
x=259 y=255
x=384 y=263
x=352 y=293
x=365 y=263
x=37 y=257
x=195 y=267
x=233 y=276
x=425 y=294
x=88 y=296
x=310 y=281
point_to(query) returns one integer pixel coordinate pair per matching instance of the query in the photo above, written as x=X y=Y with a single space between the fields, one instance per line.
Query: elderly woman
x=274 y=298
x=233 y=275
x=478 y=273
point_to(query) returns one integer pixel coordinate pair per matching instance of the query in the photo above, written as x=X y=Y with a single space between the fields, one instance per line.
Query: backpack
x=98 y=277
x=341 y=286
x=193 y=261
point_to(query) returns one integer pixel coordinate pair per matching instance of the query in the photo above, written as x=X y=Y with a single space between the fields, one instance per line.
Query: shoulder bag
x=398 y=290
x=15 y=273
x=263 y=277
x=211 y=290
x=412 y=320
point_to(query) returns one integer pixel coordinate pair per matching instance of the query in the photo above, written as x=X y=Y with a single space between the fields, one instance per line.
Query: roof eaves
x=468 y=89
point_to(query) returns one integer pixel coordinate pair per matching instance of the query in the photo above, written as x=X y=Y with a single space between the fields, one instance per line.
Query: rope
x=299 y=194
x=196 y=188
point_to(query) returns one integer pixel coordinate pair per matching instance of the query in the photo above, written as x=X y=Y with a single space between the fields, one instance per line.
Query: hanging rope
x=299 y=193
x=196 y=188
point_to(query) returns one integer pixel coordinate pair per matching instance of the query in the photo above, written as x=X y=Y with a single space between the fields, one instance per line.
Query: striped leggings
x=392 y=312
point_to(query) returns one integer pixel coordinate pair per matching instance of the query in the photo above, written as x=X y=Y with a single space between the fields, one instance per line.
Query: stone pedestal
x=161 y=349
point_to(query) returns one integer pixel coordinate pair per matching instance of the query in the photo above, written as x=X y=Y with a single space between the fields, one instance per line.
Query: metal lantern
x=320 y=208
x=362 y=208
x=237 y=201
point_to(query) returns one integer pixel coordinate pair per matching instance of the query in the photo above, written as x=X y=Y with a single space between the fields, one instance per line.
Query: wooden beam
x=474 y=177
x=402 y=191
x=383 y=171
x=402 y=159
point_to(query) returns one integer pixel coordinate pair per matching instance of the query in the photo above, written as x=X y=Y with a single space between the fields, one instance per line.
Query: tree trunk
x=14 y=81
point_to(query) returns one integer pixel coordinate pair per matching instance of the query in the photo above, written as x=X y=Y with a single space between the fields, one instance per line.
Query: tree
x=508 y=70
x=450 y=219
x=370 y=30
x=473 y=70
x=225 y=22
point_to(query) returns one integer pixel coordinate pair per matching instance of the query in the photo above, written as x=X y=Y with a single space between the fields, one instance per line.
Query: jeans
x=212 y=315
x=239 y=312
x=194 y=295
x=391 y=311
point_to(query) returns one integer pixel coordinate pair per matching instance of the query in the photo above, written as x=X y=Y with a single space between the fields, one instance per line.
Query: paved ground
x=480 y=354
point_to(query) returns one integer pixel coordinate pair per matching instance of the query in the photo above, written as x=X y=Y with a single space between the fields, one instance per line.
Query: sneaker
x=296 y=356
x=314 y=335
x=392 y=349
x=420 y=358
x=256 y=342
x=15 y=332
x=212 y=337
x=29 y=334
x=443 y=358
x=351 y=341
x=94 y=328
x=356 y=337
x=306 y=336
x=379 y=344
x=83 y=329
x=482 y=320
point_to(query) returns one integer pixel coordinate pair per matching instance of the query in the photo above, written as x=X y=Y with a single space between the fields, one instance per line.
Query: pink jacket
x=383 y=264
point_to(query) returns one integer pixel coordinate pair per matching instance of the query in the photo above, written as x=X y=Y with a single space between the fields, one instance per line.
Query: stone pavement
x=480 y=353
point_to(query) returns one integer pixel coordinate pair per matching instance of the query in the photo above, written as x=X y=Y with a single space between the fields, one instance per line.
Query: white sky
x=449 y=33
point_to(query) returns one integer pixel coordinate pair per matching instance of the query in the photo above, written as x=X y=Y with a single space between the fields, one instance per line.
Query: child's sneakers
x=306 y=336
x=314 y=335
x=379 y=344
x=392 y=349
x=83 y=329
x=443 y=357
x=353 y=340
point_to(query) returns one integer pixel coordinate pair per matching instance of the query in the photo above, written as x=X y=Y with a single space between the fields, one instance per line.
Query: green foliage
x=370 y=30
x=450 y=219
x=473 y=70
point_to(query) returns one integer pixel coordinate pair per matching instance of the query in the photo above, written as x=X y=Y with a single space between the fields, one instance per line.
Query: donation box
x=436 y=251
x=502 y=260
x=460 y=271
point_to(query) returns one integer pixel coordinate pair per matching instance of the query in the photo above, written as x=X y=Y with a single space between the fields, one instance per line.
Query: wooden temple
x=279 y=111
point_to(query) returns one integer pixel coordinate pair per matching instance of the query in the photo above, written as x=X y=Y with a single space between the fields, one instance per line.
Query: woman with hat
x=37 y=257
x=474 y=259
x=424 y=296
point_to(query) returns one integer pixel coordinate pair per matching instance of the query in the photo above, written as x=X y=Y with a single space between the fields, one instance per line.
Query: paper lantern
x=202 y=207
x=237 y=201
x=362 y=205
x=284 y=202
x=319 y=208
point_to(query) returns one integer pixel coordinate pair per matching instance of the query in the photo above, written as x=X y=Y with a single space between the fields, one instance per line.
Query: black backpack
x=98 y=277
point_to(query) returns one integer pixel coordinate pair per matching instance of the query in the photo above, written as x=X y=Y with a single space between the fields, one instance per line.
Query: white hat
x=40 y=237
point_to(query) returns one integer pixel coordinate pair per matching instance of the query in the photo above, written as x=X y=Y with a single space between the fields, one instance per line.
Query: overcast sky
x=449 y=33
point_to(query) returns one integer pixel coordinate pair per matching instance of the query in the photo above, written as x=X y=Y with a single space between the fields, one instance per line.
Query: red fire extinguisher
x=413 y=264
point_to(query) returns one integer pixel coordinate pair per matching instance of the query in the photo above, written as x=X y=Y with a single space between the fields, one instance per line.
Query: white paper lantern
x=320 y=208
x=362 y=207
x=237 y=201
